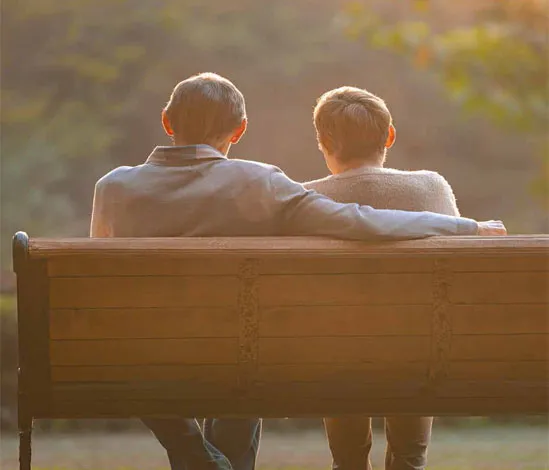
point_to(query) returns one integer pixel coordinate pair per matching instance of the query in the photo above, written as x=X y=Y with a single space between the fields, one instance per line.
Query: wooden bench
x=277 y=327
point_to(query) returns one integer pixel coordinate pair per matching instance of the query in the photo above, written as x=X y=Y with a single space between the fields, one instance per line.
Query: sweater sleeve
x=306 y=212
x=444 y=197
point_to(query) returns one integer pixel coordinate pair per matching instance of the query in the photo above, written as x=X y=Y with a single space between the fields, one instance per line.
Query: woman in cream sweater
x=354 y=130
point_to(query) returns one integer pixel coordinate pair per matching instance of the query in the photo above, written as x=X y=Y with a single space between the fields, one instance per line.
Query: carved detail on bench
x=441 y=339
x=248 y=314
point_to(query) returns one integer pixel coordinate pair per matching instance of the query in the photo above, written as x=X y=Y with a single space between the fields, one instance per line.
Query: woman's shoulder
x=425 y=174
x=425 y=177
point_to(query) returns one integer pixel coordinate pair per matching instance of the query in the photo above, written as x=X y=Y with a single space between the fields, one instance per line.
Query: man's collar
x=181 y=155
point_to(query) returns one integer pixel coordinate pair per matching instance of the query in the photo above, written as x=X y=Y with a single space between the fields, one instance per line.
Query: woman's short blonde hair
x=205 y=109
x=352 y=124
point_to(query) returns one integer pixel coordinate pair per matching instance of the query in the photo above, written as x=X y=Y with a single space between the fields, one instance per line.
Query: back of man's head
x=352 y=125
x=205 y=109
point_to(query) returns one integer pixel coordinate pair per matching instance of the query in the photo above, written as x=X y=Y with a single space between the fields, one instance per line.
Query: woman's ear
x=239 y=132
x=391 y=137
x=166 y=124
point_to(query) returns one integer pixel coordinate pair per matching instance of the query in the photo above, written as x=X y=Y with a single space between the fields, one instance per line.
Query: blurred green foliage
x=498 y=67
x=65 y=95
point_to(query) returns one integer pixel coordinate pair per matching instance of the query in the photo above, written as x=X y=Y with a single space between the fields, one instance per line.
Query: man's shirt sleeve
x=306 y=212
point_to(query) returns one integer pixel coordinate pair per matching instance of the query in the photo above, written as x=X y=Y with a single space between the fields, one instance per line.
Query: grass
x=517 y=447
x=8 y=304
x=430 y=467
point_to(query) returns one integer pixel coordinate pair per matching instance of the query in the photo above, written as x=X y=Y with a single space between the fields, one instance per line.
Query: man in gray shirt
x=192 y=189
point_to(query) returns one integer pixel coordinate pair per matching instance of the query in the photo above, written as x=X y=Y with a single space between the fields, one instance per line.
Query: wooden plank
x=165 y=373
x=80 y=407
x=500 y=347
x=360 y=265
x=508 y=370
x=228 y=373
x=97 y=265
x=197 y=390
x=411 y=389
x=144 y=352
x=144 y=323
x=500 y=288
x=512 y=370
x=500 y=319
x=343 y=350
x=345 y=320
x=345 y=289
x=194 y=390
x=408 y=264
x=291 y=247
x=519 y=389
x=349 y=390
x=157 y=391
x=502 y=263
x=340 y=373
x=159 y=291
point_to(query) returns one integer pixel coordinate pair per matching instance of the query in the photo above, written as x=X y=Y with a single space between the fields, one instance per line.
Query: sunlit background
x=83 y=84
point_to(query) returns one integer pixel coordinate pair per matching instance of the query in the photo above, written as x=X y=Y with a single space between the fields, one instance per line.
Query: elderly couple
x=192 y=188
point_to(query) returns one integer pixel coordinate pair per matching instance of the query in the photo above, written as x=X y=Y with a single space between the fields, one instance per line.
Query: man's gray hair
x=205 y=109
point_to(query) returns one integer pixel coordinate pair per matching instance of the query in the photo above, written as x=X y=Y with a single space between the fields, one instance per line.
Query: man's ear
x=166 y=124
x=391 y=137
x=321 y=145
x=239 y=131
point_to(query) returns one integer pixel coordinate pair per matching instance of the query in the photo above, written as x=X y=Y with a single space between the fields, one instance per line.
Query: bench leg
x=25 y=437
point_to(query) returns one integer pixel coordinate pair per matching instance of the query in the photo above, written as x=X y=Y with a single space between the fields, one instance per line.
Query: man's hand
x=491 y=228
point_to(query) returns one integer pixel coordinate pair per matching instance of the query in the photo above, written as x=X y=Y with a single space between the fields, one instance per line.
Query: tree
x=497 y=67
x=69 y=71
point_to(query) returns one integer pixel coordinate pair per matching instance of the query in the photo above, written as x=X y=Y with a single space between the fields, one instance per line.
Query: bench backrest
x=282 y=326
